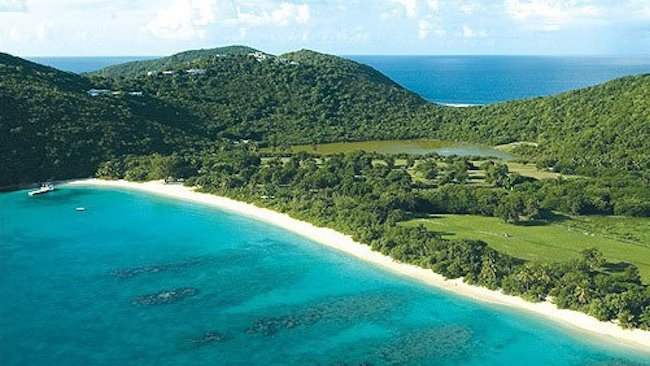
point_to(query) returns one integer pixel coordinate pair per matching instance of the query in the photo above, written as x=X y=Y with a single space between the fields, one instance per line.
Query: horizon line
x=375 y=55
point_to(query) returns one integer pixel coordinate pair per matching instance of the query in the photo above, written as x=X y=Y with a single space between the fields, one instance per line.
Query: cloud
x=183 y=19
x=469 y=32
x=555 y=15
x=434 y=5
x=281 y=14
x=13 y=6
x=426 y=27
x=42 y=29
x=469 y=8
x=410 y=6
x=639 y=8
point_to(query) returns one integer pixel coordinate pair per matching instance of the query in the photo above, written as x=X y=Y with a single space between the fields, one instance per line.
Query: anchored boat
x=45 y=188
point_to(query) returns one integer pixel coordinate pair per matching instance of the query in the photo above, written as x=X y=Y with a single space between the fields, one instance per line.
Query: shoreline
x=637 y=339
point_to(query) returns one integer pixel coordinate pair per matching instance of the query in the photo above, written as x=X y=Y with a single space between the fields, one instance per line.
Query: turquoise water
x=143 y=280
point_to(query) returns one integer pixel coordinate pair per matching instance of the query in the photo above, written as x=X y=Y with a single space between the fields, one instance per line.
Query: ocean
x=86 y=64
x=460 y=80
x=137 y=279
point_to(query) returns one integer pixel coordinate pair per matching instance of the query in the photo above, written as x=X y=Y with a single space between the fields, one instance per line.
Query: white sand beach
x=636 y=338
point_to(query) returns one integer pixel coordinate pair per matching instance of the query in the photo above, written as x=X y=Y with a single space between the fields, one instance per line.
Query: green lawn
x=620 y=239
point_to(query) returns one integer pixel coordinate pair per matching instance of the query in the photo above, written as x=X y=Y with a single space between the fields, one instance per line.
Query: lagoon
x=411 y=147
x=73 y=284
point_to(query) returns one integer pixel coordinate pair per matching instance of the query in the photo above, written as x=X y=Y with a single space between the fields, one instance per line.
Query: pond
x=414 y=147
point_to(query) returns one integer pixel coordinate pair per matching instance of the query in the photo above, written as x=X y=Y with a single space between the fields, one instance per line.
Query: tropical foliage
x=367 y=195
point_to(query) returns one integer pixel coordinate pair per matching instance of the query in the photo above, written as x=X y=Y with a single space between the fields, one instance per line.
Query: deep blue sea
x=86 y=64
x=461 y=79
x=142 y=280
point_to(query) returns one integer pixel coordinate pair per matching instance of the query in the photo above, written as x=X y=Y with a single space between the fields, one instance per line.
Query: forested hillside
x=323 y=98
x=299 y=97
x=137 y=68
x=595 y=129
x=51 y=128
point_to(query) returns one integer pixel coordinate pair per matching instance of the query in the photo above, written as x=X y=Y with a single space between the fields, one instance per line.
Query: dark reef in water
x=166 y=296
x=333 y=310
x=439 y=343
x=171 y=267
x=211 y=337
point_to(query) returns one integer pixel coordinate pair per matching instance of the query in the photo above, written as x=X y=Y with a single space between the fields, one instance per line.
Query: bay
x=137 y=279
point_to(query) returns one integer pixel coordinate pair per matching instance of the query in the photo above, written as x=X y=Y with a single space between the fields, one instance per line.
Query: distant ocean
x=86 y=64
x=459 y=79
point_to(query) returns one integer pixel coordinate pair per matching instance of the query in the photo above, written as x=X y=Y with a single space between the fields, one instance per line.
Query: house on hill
x=98 y=92
x=195 y=71
x=260 y=56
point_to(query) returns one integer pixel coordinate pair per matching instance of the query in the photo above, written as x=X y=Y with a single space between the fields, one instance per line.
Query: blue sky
x=159 y=27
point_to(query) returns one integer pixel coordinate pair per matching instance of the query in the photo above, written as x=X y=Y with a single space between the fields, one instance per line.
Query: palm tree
x=526 y=277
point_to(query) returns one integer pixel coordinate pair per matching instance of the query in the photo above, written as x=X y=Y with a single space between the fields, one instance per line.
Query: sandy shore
x=636 y=338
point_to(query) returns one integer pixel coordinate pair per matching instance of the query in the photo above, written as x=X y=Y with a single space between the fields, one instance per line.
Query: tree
x=593 y=258
x=169 y=168
x=497 y=174
x=112 y=169
x=631 y=274
x=428 y=169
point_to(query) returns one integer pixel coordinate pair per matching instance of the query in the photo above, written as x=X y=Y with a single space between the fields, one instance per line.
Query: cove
x=140 y=279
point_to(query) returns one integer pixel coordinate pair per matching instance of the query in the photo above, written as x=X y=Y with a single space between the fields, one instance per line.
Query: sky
x=343 y=27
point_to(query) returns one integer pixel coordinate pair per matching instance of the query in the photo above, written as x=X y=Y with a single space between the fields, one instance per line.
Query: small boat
x=80 y=209
x=45 y=188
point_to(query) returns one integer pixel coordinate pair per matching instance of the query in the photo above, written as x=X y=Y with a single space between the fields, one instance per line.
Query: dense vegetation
x=367 y=195
x=205 y=121
x=327 y=98
x=139 y=68
x=50 y=128
x=588 y=132
x=321 y=98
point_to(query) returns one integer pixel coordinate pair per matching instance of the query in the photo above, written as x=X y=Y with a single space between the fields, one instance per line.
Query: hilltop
x=136 y=68
x=303 y=96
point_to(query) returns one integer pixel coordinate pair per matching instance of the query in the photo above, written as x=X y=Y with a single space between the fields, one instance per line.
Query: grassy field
x=620 y=239
x=415 y=147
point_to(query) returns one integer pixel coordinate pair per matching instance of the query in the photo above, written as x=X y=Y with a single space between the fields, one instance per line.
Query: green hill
x=323 y=98
x=605 y=127
x=136 y=68
x=51 y=128
x=298 y=97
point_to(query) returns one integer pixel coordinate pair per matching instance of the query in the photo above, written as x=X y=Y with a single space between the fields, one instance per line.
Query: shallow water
x=260 y=295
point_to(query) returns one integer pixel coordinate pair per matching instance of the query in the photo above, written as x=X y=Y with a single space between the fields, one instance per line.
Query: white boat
x=45 y=188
